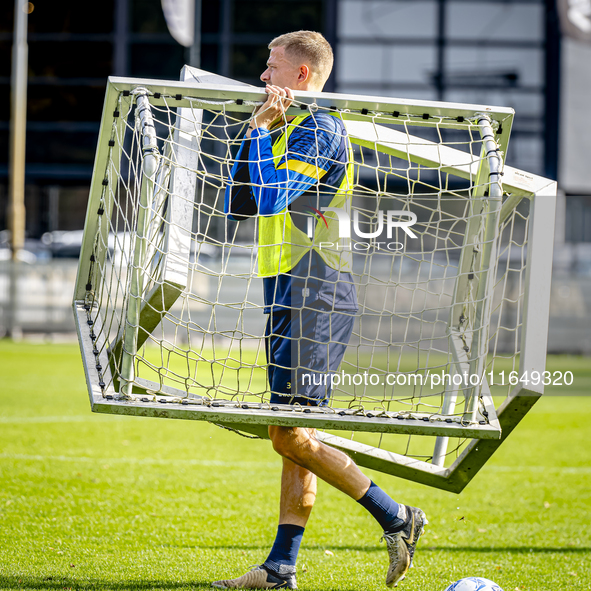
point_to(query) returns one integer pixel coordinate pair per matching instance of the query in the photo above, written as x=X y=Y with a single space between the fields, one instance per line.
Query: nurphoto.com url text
x=435 y=379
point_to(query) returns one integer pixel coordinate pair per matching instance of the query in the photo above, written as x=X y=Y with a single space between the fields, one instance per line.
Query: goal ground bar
x=245 y=414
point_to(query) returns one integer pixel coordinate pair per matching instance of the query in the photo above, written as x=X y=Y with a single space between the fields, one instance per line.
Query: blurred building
x=478 y=51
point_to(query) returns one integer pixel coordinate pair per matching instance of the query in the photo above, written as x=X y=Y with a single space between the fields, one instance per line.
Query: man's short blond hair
x=311 y=48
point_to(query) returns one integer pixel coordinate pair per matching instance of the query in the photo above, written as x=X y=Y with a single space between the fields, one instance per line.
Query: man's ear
x=305 y=74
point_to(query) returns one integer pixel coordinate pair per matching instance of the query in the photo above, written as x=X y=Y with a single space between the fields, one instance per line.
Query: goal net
x=433 y=227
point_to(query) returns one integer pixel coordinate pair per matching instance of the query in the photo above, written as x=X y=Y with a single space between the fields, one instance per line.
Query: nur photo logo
x=391 y=219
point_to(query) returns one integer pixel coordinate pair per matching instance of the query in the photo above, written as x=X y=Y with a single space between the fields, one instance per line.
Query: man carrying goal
x=287 y=168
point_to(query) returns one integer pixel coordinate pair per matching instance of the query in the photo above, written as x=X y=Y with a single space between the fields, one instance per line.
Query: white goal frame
x=253 y=418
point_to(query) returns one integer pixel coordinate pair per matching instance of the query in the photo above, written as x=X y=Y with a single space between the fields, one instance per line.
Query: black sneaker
x=401 y=545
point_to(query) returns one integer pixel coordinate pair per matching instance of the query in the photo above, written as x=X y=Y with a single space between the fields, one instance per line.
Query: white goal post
x=168 y=302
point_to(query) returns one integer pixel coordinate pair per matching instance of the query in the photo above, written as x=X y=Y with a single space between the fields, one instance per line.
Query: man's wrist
x=258 y=131
x=259 y=126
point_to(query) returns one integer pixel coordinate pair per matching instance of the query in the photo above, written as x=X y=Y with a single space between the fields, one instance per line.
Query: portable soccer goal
x=450 y=250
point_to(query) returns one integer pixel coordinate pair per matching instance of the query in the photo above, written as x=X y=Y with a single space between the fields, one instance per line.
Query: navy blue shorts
x=304 y=348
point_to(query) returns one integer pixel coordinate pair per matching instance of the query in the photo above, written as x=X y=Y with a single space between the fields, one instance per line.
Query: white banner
x=575 y=19
x=180 y=18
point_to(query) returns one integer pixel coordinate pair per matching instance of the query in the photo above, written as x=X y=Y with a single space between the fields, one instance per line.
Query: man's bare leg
x=298 y=493
x=301 y=447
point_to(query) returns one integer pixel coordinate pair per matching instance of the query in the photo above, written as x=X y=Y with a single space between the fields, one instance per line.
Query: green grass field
x=101 y=502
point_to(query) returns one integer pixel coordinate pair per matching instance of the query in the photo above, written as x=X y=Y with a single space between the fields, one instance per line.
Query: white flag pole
x=18 y=128
x=195 y=53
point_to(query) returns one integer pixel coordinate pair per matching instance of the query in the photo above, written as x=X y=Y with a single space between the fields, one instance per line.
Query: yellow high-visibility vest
x=281 y=243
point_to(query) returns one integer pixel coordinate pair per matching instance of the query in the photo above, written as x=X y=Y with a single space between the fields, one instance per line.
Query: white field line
x=60 y=419
x=250 y=464
x=559 y=469
x=154 y=461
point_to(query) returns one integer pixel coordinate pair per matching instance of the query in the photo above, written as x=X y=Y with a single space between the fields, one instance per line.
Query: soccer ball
x=474 y=584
